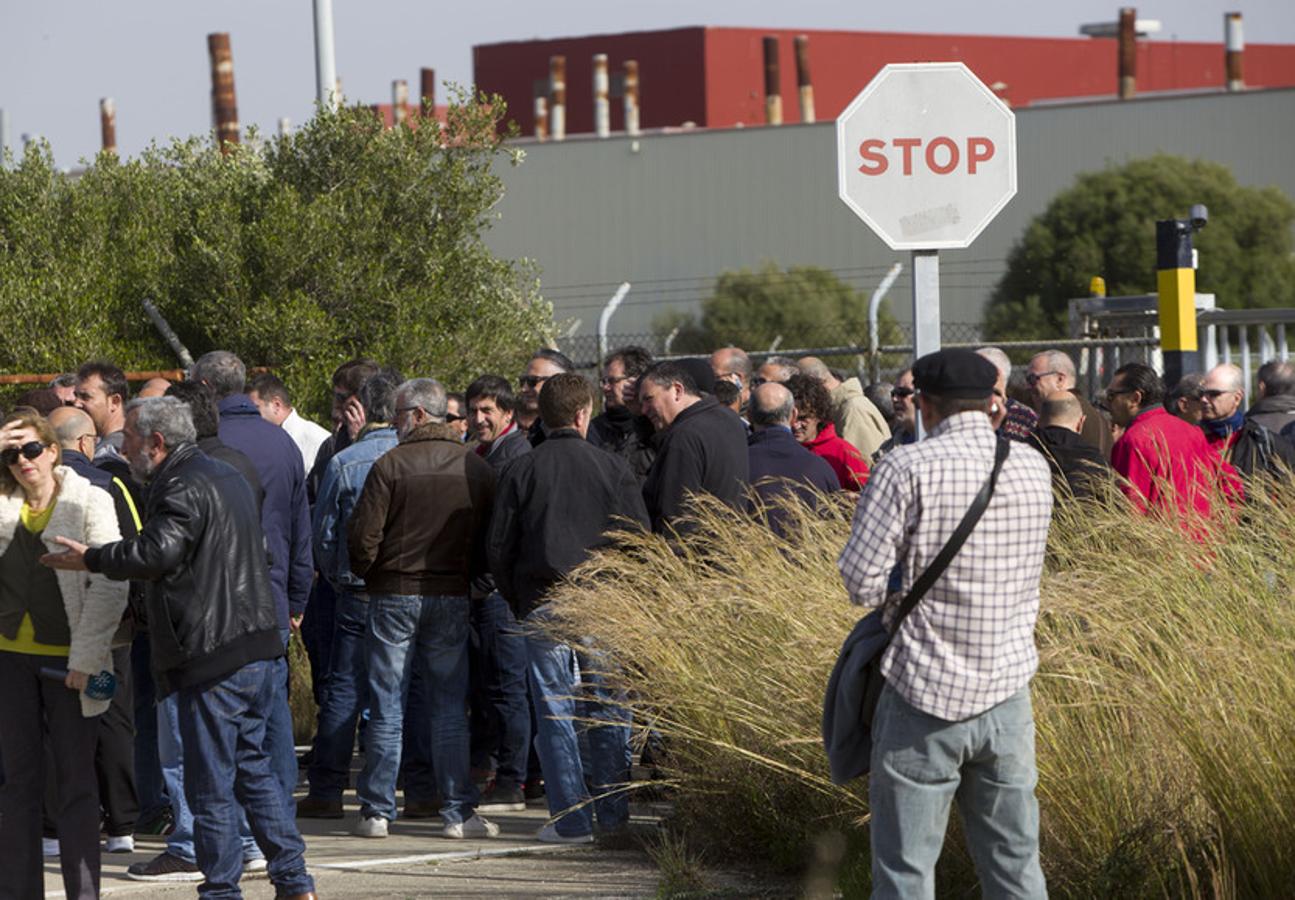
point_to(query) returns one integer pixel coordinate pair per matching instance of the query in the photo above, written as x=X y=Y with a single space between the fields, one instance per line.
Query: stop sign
x=926 y=155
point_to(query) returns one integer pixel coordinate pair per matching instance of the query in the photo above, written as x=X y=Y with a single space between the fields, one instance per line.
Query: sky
x=59 y=57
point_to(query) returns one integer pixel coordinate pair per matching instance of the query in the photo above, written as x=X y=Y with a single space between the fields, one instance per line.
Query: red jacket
x=1167 y=461
x=846 y=461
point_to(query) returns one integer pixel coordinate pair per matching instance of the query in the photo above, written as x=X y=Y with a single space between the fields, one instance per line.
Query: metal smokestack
x=558 y=97
x=803 y=82
x=224 y=102
x=399 y=101
x=1235 y=45
x=1128 y=52
x=772 y=91
x=541 y=113
x=602 y=101
x=427 y=91
x=631 y=97
x=108 y=124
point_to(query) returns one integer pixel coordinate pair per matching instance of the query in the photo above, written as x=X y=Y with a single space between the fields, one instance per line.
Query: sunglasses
x=902 y=392
x=1032 y=379
x=451 y=417
x=1212 y=394
x=30 y=450
x=532 y=381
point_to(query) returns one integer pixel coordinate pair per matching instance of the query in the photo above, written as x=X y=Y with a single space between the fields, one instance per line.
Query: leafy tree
x=807 y=306
x=1105 y=225
x=345 y=238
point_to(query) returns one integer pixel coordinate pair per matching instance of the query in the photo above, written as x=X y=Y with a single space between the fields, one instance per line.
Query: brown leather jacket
x=420 y=524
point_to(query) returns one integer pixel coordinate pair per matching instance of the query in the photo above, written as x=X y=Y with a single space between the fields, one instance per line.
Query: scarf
x=1221 y=428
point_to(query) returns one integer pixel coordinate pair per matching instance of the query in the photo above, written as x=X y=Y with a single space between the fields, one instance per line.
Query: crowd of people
x=175 y=541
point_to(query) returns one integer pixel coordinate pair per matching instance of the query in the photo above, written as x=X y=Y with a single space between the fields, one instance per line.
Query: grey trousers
x=30 y=706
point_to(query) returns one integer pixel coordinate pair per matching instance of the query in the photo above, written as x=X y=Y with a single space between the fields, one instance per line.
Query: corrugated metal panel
x=682 y=208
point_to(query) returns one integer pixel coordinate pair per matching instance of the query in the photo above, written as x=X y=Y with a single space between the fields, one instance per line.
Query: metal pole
x=168 y=334
x=772 y=82
x=1128 y=50
x=1234 y=47
x=602 y=102
x=327 y=92
x=399 y=101
x=926 y=308
x=803 y=82
x=606 y=316
x=631 y=97
x=108 y=124
x=224 y=101
x=874 y=305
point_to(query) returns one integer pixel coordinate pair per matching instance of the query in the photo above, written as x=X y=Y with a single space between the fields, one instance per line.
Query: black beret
x=955 y=373
x=702 y=374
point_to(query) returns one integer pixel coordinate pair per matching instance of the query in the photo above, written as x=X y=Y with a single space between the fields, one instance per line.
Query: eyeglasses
x=404 y=409
x=532 y=381
x=1112 y=393
x=451 y=417
x=1213 y=394
x=612 y=382
x=902 y=392
x=30 y=450
x=1032 y=379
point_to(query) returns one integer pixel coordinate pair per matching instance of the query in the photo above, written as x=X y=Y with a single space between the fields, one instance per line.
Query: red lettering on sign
x=979 y=149
x=953 y=156
x=874 y=161
x=907 y=145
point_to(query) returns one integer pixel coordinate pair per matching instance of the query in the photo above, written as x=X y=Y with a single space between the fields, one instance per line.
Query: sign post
x=926 y=156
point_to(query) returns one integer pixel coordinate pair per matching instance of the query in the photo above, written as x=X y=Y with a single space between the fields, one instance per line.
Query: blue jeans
x=171 y=754
x=430 y=632
x=317 y=635
x=280 y=742
x=503 y=662
x=574 y=700
x=224 y=726
x=346 y=693
x=921 y=764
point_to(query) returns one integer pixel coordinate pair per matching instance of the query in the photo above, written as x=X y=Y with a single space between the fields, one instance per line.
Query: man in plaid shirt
x=954 y=720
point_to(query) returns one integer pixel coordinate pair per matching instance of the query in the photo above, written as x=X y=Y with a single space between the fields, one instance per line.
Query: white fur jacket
x=94 y=604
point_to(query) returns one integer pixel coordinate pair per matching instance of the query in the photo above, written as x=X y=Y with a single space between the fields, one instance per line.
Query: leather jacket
x=202 y=553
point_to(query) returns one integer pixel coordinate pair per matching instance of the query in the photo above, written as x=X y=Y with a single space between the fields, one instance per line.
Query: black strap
x=956 y=540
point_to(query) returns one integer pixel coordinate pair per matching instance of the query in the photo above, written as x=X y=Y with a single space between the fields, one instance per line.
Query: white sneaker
x=255 y=864
x=549 y=835
x=371 y=827
x=122 y=844
x=475 y=827
x=49 y=846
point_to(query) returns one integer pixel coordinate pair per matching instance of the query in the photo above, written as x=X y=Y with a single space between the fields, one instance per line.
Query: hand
x=353 y=417
x=73 y=559
x=295 y=622
x=76 y=680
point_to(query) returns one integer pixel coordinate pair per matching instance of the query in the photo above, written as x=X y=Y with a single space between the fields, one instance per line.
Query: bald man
x=1053 y=370
x=154 y=387
x=779 y=464
x=857 y=418
x=1078 y=467
x=733 y=365
x=1240 y=439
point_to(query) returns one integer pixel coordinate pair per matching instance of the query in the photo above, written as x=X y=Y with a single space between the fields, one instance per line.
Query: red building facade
x=714 y=77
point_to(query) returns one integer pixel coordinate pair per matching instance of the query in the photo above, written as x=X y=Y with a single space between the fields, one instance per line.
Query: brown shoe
x=319 y=808
x=311 y=896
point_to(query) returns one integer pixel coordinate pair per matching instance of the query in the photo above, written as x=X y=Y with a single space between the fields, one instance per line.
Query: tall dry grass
x=1163 y=702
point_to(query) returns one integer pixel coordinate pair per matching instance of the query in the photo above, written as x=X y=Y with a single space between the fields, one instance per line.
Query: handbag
x=855 y=684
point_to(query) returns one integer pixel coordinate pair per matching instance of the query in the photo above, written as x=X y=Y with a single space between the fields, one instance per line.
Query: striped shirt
x=969 y=643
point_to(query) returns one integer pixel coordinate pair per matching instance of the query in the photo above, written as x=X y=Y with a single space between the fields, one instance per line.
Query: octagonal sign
x=926 y=155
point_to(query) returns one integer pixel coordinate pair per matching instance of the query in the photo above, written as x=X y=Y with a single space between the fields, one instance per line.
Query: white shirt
x=306 y=435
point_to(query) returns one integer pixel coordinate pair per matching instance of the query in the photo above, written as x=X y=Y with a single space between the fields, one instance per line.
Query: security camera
x=1200 y=216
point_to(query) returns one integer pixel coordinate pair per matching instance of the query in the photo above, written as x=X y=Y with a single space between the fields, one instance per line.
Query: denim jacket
x=338 y=494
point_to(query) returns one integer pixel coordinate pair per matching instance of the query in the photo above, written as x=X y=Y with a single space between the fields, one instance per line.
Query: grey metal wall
x=668 y=212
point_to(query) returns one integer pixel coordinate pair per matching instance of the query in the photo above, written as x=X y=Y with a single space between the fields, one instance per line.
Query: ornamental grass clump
x=1162 y=703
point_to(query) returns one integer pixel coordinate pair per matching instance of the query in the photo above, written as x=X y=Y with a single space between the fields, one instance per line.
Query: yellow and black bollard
x=1176 y=285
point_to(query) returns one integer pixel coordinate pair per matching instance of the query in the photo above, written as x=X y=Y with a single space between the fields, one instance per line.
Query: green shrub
x=1162 y=700
x=345 y=238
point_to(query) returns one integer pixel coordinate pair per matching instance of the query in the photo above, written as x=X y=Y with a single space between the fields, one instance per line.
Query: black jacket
x=1078 y=468
x=506 y=449
x=1259 y=450
x=552 y=507
x=780 y=465
x=619 y=431
x=210 y=608
x=1277 y=414
x=703 y=451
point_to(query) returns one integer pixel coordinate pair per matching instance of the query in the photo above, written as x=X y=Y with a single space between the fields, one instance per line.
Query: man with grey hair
x=215 y=640
x=417 y=538
x=1275 y=408
x=780 y=465
x=1236 y=436
x=1051 y=371
x=731 y=364
x=285 y=514
x=857 y=418
x=775 y=368
x=1012 y=420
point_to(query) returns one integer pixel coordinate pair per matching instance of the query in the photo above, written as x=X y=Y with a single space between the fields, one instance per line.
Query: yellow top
x=25 y=641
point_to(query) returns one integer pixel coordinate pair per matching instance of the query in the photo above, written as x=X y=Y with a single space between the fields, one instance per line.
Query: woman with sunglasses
x=55 y=632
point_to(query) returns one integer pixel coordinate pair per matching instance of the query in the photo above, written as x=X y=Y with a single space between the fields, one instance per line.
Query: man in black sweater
x=701 y=446
x=552 y=507
x=1079 y=469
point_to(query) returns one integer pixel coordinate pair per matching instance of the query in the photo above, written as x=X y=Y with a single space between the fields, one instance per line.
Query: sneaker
x=49 y=847
x=165 y=867
x=534 y=790
x=255 y=864
x=423 y=809
x=549 y=835
x=123 y=843
x=371 y=827
x=475 y=827
x=502 y=798
x=160 y=824
x=319 y=808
